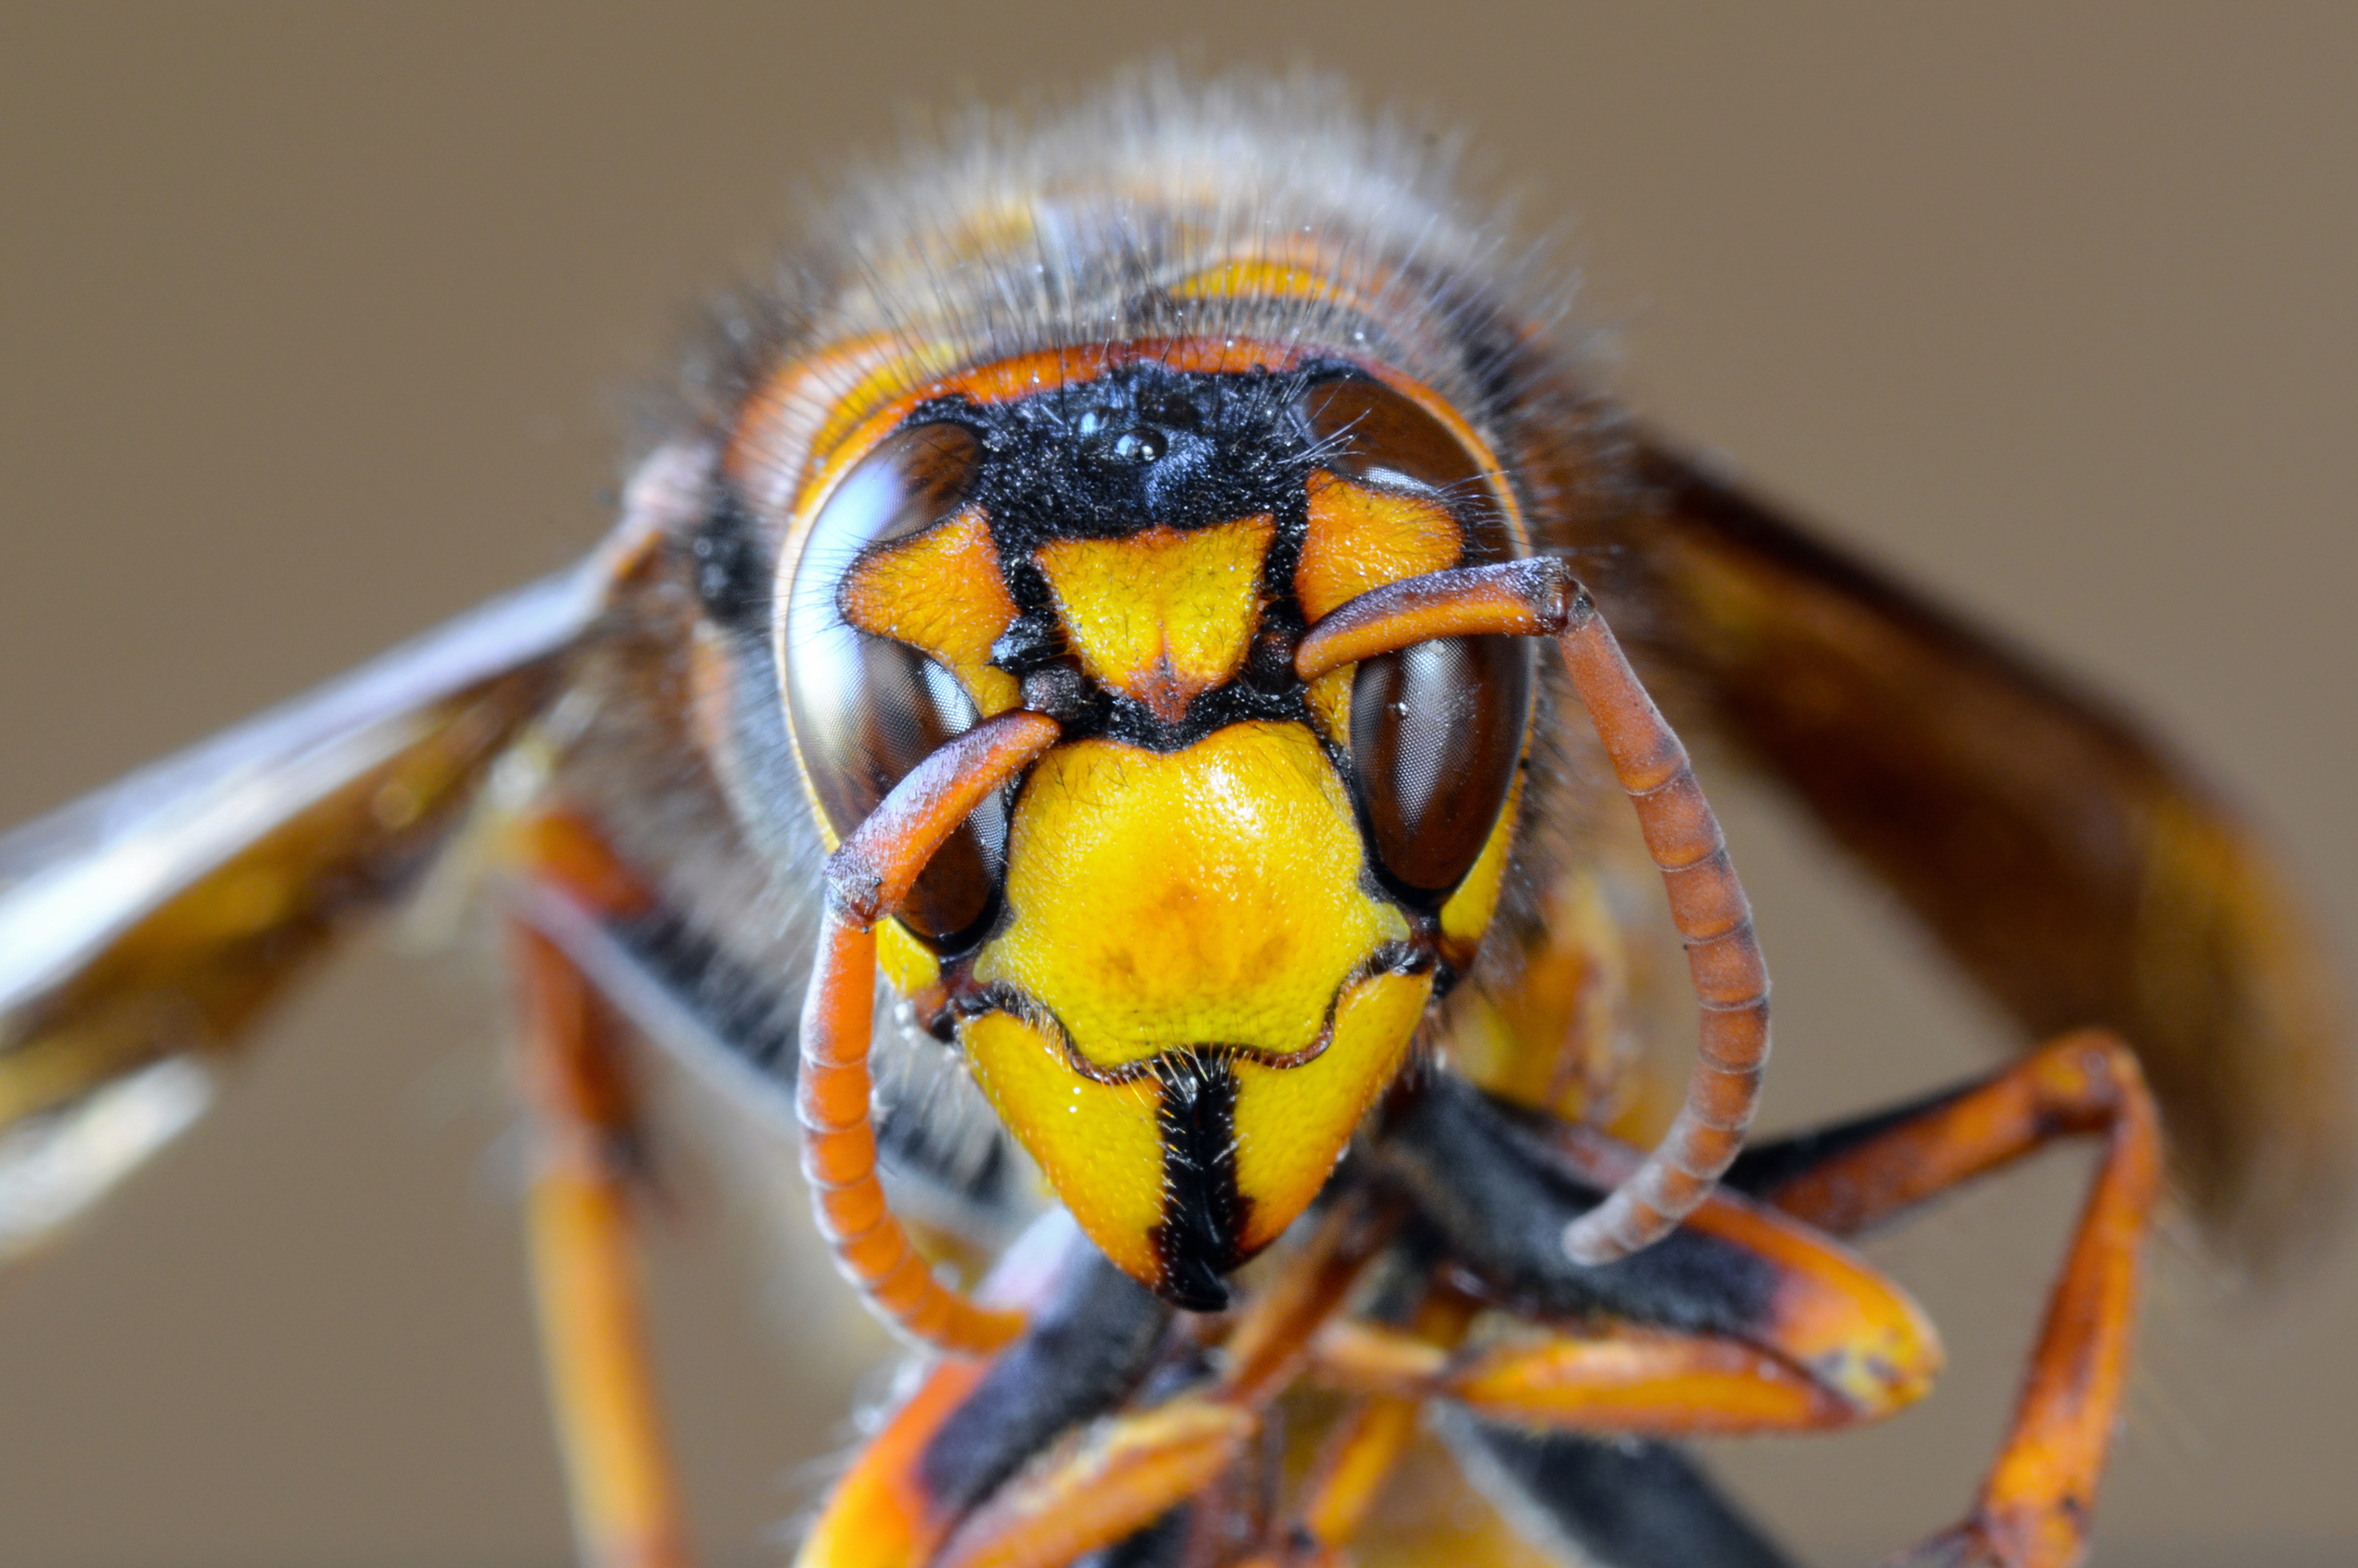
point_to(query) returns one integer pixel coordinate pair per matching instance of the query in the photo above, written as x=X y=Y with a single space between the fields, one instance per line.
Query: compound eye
x=1373 y=436
x=1436 y=729
x=864 y=711
x=1436 y=733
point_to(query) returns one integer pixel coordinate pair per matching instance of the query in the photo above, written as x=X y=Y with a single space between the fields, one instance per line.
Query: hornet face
x=1188 y=949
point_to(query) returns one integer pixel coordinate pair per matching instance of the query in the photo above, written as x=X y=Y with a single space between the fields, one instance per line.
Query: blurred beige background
x=314 y=327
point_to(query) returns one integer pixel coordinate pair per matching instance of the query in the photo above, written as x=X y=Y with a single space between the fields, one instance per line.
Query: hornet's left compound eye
x=866 y=709
x=1437 y=731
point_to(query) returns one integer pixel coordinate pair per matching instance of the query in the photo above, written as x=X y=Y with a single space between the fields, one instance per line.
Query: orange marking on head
x=880 y=381
x=1362 y=538
x=1027 y=373
x=793 y=420
x=1298 y=266
x=1160 y=615
x=1264 y=280
x=940 y=592
x=1424 y=397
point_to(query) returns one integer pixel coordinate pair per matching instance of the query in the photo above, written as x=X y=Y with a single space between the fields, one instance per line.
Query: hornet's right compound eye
x=866 y=709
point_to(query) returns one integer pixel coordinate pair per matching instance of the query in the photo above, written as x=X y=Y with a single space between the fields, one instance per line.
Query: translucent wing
x=145 y=926
x=2077 y=871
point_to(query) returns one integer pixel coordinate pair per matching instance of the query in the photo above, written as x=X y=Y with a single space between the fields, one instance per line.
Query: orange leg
x=1104 y=1478
x=2036 y=1504
x=1618 y=1380
x=1743 y=1319
x=626 y=1507
x=1118 y=1474
x=1822 y=1341
x=1105 y=1482
x=1362 y=1450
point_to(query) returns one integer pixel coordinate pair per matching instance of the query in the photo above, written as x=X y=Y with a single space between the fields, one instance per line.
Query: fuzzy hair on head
x=1003 y=233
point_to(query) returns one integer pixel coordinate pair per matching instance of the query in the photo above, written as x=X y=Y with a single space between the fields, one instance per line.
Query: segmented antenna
x=1541 y=598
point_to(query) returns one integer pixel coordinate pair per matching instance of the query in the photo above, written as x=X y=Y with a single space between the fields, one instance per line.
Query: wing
x=2075 y=870
x=144 y=927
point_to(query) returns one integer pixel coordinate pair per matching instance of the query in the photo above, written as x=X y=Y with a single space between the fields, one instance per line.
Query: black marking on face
x=1139 y=447
x=1204 y=1213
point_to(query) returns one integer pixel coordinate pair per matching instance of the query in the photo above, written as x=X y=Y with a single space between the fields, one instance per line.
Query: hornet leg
x=1742 y=1320
x=626 y=1507
x=1059 y=1446
x=2037 y=1502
